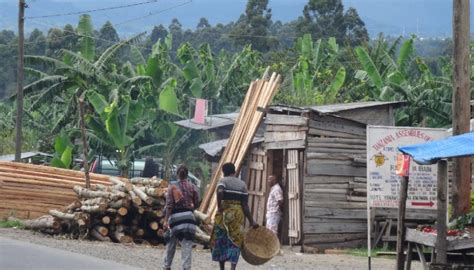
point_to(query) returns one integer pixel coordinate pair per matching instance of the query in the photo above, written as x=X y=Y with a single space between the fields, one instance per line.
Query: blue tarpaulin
x=431 y=152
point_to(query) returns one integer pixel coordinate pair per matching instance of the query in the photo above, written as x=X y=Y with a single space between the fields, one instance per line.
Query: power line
x=72 y=33
x=154 y=13
x=92 y=10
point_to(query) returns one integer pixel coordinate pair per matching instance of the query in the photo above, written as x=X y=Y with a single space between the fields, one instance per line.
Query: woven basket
x=260 y=245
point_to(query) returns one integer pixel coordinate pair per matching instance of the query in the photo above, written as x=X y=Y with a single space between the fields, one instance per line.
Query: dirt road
x=147 y=257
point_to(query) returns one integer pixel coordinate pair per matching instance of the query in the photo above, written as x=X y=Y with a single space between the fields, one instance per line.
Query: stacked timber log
x=335 y=185
x=257 y=99
x=30 y=191
x=124 y=212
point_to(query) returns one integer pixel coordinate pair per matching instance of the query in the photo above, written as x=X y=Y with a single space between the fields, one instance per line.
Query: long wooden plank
x=57 y=171
x=282 y=119
x=285 y=128
x=310 y=201
x=322 y=132
x=284 y=136
x=243 y=132
x=322 y=196
x=296 y=144
x=332 y=238
x=335 y=213
x=258 y=184
x=336 y=145
x=335 y=227
x=263 y=190
x=336 y=150
x=338 y=125
x=9 y=169
x=327 y=179
x=209 y=201
x=335 y=169
x=209 y=197
x=337 y=245
x=250 y=185
x=344 y=186
x=336 y=140
x=339 y=156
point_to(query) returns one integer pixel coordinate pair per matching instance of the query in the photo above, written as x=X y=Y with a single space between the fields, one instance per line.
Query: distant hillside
x=426 y=18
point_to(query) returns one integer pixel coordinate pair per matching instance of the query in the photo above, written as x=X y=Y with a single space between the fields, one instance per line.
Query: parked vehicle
x=108 y=167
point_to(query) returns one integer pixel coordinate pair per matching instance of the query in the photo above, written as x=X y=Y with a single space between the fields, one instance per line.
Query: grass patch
x=10 y=224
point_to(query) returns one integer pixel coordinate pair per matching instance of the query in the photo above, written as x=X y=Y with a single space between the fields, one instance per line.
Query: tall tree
x=107 y=36
x=253 y=27
x=176 y=30
x=203 y=24
x=36 y=43
x=356 y=33
x=326 y=18
x=158 y=32
x=8 y=51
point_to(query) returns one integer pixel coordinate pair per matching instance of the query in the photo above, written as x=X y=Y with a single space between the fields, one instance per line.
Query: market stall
x=435 y=152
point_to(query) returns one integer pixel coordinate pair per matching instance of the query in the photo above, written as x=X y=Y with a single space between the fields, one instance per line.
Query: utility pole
x=461 y=188
x=85 y=150
x=20 y=75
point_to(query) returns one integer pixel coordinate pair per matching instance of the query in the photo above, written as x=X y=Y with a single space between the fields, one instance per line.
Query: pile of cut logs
x=124 y=212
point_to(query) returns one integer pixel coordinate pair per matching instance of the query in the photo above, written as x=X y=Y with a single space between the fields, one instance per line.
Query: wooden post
x=19 y=93
x=84 y=142
x=461 y=103
x=401 y=222
x=442 y=186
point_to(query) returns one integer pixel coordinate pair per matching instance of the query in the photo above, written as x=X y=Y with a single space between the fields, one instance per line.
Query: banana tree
x=71 y=75
x=317 y=77
x=405 y=78
x=222 y=78
x=118 y=125
x=63 y=148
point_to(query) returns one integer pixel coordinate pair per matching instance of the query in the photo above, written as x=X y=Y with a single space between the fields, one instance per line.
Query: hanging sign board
x=383 y=182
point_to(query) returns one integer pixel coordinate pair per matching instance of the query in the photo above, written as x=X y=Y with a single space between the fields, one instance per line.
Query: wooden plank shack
x=334 y=191
x=331 y=208
x=335 y=186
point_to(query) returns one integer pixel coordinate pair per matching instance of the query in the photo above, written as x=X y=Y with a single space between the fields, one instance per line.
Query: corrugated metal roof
x=334 y=108
x=214 y=121
x=214 y=148
x=23 y=155
x=288 y=108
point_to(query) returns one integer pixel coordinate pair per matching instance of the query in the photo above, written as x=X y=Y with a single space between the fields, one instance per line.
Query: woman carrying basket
x=232 y=206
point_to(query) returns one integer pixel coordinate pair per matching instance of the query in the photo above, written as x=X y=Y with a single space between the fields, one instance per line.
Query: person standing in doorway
x=232 y=206
x=181 y=200
x=274 y=204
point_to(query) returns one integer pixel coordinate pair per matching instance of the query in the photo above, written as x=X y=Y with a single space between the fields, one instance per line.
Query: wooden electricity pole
x=461 y=103
x=20 y=75
x=85 y=150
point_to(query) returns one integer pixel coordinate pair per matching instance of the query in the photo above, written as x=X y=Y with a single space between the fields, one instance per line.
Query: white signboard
x=383 y=185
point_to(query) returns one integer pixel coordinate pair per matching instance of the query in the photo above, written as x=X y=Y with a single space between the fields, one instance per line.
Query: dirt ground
x=147 y=257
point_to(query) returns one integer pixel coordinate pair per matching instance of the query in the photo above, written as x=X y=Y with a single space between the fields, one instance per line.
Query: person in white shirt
x=274 y=204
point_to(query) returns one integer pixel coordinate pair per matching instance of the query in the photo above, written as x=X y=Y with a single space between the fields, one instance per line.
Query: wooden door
x=257 y=184
x=294 y=205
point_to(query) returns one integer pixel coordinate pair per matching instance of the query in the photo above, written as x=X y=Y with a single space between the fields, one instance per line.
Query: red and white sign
x=385 y=167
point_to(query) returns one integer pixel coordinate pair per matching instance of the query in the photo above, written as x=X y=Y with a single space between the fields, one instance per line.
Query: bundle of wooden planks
x=258 y=97
x=126 y=211
x=30 y=191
